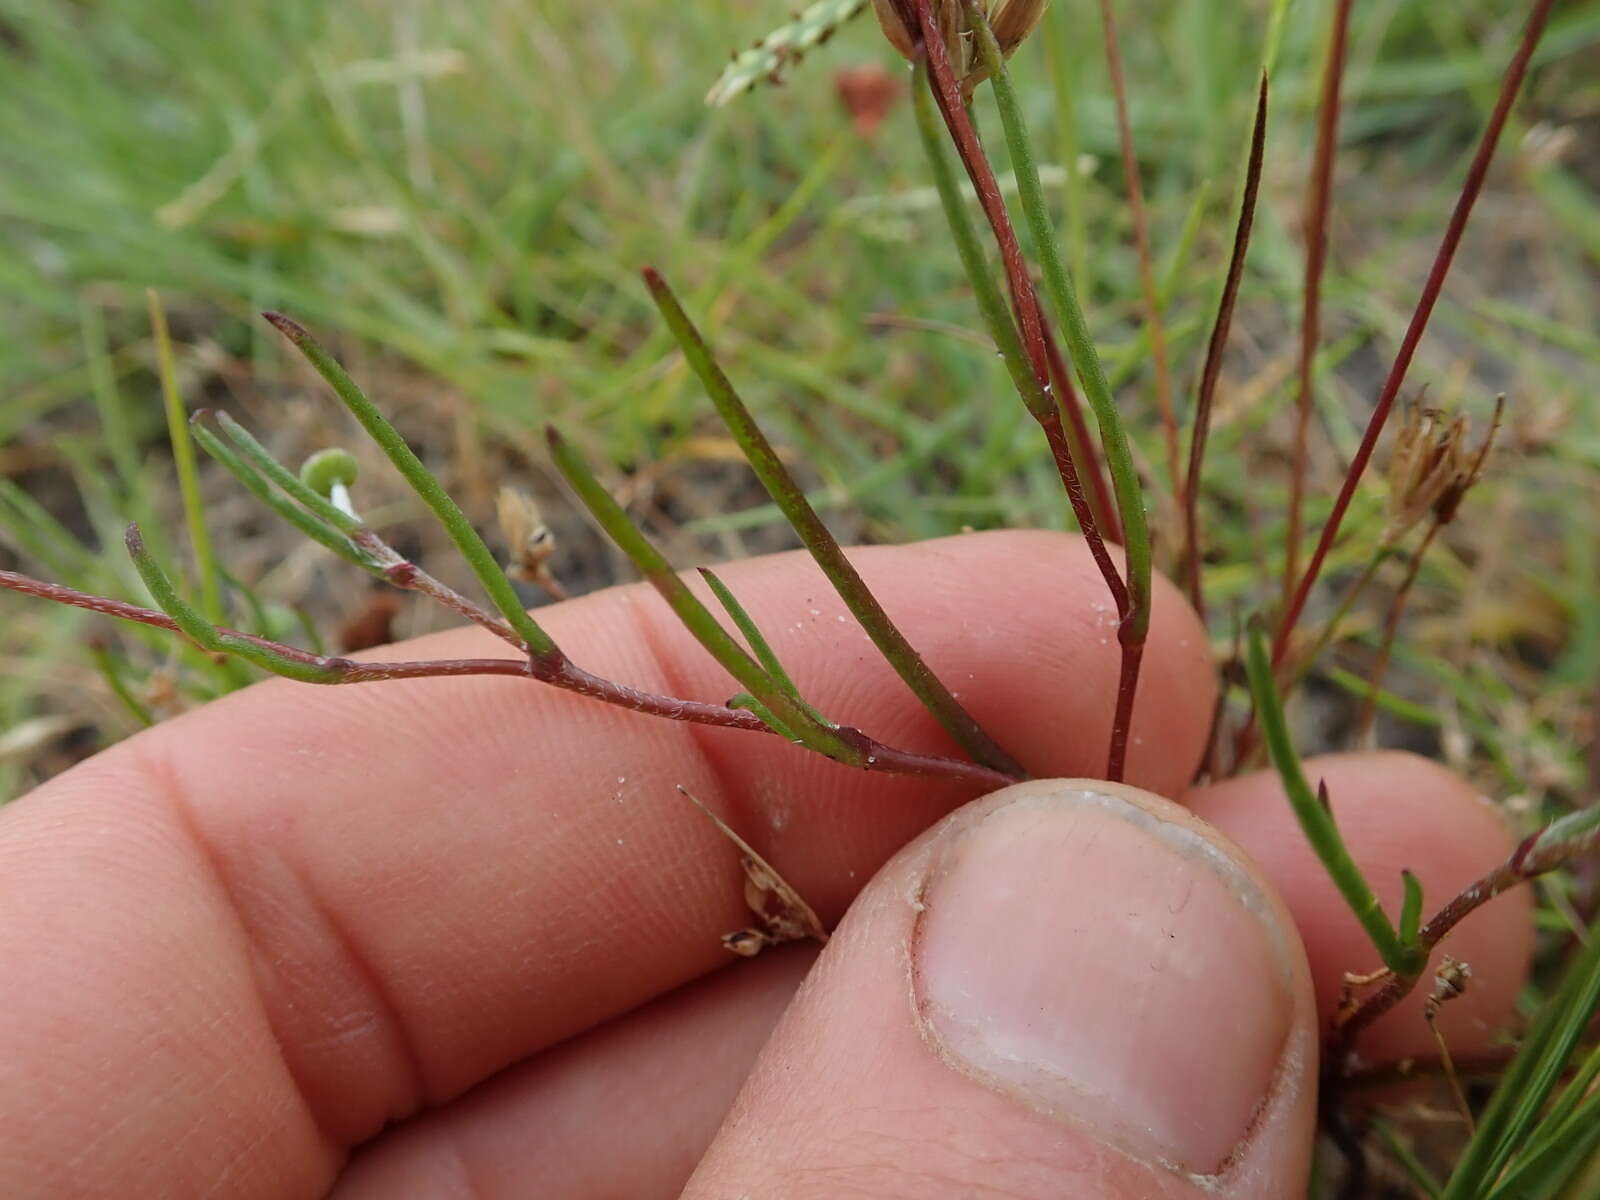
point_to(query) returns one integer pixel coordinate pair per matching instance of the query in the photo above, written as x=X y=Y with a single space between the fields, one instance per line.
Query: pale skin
x=459 y=937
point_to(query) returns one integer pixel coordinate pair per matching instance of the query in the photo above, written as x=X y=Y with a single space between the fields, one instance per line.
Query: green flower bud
x=327 y=468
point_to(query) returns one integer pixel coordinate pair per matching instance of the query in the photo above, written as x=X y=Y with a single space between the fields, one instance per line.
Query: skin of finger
x=1395 y=811
x=574 y=1087
x=849 y=1099
x=364 y=900
x=623 y=1110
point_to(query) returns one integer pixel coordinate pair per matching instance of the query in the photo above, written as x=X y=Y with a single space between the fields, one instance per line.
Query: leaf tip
x=287 y=326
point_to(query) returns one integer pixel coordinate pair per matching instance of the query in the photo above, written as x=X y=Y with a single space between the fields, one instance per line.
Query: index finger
x=276 y=924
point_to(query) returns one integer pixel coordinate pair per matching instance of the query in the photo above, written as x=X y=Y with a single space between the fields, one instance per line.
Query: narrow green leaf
x=784 y=713
x=489 y=572
x=749 y=703
x=1316 y=820
x=184 y=459
x=752 y=634
x=1513 y=1112
x=199 y=631
x=1572 y=1114
x=206 y=635
x=825 y=550
x=1410 y=908
x=111 y=670
x=257 y=485
x=290 y=482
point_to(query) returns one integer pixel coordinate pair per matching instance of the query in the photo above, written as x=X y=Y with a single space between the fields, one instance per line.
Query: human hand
x=460 y=936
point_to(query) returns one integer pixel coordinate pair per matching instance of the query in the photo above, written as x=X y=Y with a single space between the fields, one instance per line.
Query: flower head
x=1011 y=20
x=1432 y=469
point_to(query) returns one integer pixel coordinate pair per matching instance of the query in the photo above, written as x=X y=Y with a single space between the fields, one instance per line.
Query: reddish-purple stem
x=555 y=670
x=1101 y=501
x=947 y=94
x=1531 y=858
x=1316 y=234
x=1141 y=241
x=1476 y=173
x=1391 y=627
x=1212 y=370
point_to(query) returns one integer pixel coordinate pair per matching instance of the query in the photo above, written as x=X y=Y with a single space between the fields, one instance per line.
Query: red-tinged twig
x=1084 y=453
x=1141 y=241
x=1212 y=370
x=1471 y=187
x=1316 y=235
x=350 y=670
x=1573 y=837
x=947 y=95
x=558 y=672
x=1391 y=626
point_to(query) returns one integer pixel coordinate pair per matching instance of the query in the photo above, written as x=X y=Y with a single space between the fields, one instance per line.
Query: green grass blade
x=1513 y=1113
x=782 y=48
x=184 y=460
x=110 y=668
x=825 y=550
x=489 y=572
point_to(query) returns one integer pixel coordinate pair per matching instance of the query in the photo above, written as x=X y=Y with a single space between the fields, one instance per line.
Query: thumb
x=1063 y=989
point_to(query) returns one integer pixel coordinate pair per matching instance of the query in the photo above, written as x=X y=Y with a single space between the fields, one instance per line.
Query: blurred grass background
x=457 y=198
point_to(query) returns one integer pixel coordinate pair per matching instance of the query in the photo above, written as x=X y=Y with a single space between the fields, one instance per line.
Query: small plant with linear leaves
x=1535 y=1134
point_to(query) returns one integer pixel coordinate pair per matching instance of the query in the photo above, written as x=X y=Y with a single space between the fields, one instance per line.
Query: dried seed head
x=1011 y=20
x=528 y=540
x=896 y=21
x=1014 y=20
x=1432 y=468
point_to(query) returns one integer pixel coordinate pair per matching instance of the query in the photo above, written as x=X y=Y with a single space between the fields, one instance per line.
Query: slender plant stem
x=472 y=547
x=814 y=534
x=1391 y=626
x=1212 y=371
x=1471 y=187
x=1003 y=328
x=183 y=459
x=561 y=673
x=1135 y=619
x=1574 y=836
x=1298 y=668
x=1085 y=455
x=793 y=719
x=1141 y=241
x=1316 y=234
